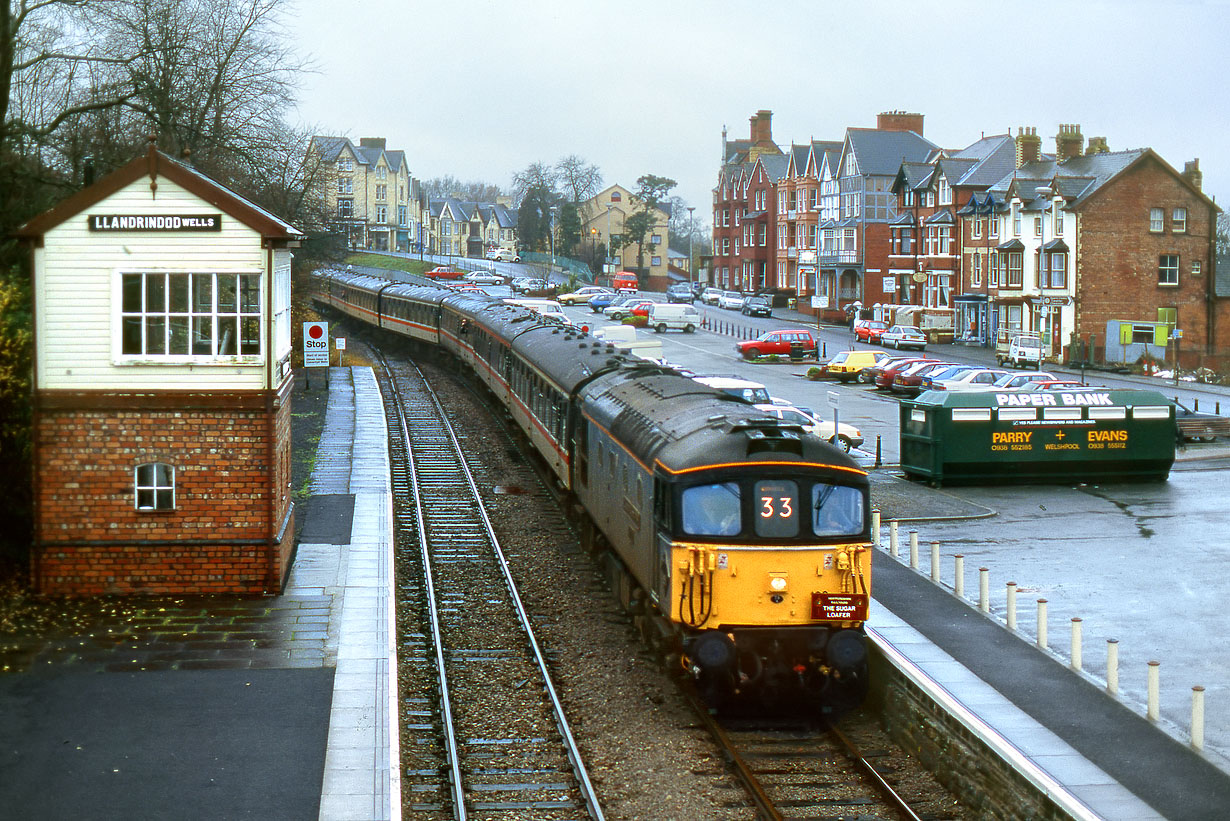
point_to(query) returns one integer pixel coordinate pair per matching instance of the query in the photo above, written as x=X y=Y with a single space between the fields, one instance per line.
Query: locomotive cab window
x=777 y=508
x=837 y=510
x=712 y=510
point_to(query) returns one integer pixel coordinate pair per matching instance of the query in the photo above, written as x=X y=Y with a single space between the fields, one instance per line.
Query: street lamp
x=691 y=232
x=1045 y=192
x=606 y=262
x=554 y=211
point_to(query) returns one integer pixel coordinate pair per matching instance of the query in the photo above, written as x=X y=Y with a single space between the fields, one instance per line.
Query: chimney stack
x=1028 y=145
x=899 y=121
x=1191 y=173
x=372 y=142
x=1069 y=142
x=762 y=127
x=1097 y=145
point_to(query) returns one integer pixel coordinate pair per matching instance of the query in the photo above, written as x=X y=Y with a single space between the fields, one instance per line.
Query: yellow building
x=369 y=191
x=603 y=216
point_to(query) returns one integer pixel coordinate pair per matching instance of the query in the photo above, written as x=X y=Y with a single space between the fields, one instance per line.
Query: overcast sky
x=481 y=89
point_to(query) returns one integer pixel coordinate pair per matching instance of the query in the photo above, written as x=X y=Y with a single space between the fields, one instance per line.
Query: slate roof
x=880 y=153
x=775 y=165
x=1077 y=178
x=331 y=147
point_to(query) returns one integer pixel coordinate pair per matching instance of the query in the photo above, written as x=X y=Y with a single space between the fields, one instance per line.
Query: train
x=740 y=542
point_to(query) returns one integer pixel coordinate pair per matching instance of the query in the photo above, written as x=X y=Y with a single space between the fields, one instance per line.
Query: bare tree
x=577 y=179
x=535 y=176
x=472 y=191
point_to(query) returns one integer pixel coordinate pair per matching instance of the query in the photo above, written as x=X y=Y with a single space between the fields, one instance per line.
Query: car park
x=975 y=379
x=484 y=278
x=535 y=287
x=757 y=305
x=582 y=294
x=949 y=372
x=842 y=435
x=680 y=293
x=710 y=296
x=795 y=343
x=730 y=300
x=869 y=330
x=666 y=316
x=903 y=336
x=846 y=366
x=600 y=302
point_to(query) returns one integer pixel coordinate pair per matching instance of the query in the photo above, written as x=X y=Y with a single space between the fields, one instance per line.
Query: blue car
x=601 y=302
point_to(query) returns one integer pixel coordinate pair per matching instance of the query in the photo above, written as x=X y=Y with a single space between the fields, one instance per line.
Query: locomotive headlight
x=777 y=584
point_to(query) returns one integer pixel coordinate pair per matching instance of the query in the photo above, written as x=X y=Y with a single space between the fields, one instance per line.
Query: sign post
x=835 y=404
x=316 y=348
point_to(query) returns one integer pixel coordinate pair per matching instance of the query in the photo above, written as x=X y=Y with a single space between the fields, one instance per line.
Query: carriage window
x=777 y=508
x=712 y=510
x=837 y=510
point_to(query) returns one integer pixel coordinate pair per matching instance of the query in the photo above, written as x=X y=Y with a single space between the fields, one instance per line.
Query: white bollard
x=984 y=589
x=1112 y=666
x=1042 y=623
x=875 y=527
x=1152 y=711
x=1198 y=717
x=1011 y=616
x=913 y=547
x=893 y=547
x=1076 y=644
x=958 y=573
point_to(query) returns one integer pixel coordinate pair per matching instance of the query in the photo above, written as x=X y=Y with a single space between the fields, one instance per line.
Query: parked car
x=909 y=381
x=1020 y=351
x=730 y=300
x=698 y=288
x=797 y=344
x=884 y=379
x=536 y=287
x=972 y=380
x=950 y=372
x=869 y=330
x=600 y=302
x=1053 y=385
x=751 y=392
x=484 y=278
x=503 y=255
x=1012 y=381
x=582 y=294
x=846 y=366
x=758 y=305
x=868 y=376
x=680 y=293
x=903 y=336
x=665 y=316
x=445 y=272
x=633 y=307
x=843 y=436
x=710 y=296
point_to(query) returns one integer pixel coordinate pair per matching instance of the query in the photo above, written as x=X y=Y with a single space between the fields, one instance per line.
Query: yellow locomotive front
x=769 y=578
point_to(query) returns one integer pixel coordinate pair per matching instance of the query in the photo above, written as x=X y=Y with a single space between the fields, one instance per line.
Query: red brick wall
x=90 y=539
x=1117 y=270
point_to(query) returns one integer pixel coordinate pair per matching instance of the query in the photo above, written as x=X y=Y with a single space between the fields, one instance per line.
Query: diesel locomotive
x=741 y=542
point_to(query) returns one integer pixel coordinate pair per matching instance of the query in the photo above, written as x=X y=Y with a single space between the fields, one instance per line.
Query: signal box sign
x=315 y=344
x=839 y=607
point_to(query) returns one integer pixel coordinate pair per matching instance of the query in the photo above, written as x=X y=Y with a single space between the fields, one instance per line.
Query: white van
x=681 y=317
x=1023 y=351
x=626 y=337
x=753 y=393
x=546 y=307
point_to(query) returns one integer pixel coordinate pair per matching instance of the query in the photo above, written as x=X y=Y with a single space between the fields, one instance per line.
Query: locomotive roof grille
x=771 y=439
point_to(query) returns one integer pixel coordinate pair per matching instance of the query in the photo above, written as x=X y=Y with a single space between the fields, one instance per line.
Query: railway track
x=483 y=732
x=798 y=771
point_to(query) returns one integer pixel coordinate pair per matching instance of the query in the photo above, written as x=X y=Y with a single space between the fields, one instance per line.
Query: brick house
x=1090 y=236
x=161 y=387
x=799 y=200
x=745 y=208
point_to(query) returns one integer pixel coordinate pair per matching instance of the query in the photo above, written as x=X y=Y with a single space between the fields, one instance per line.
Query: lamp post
x=1044 y=313
x=691 y=231
x=606 y=261
x=554 y=210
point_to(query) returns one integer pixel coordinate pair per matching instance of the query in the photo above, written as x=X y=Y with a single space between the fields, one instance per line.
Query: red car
x=796 y=344
x=909 y=381
x=869 y=330
x=884 y=381
x=444 y=272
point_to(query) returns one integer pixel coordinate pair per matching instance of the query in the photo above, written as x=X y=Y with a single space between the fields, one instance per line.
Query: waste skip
x=1089 y=434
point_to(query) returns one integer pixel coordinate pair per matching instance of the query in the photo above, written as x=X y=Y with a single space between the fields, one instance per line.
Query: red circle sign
x=315 y=331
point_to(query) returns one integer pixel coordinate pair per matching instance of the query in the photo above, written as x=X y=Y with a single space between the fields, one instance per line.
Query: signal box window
x=712 y=510
x=837 y=510
x=155 y=487
x=777 y=508
x=188 y=317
